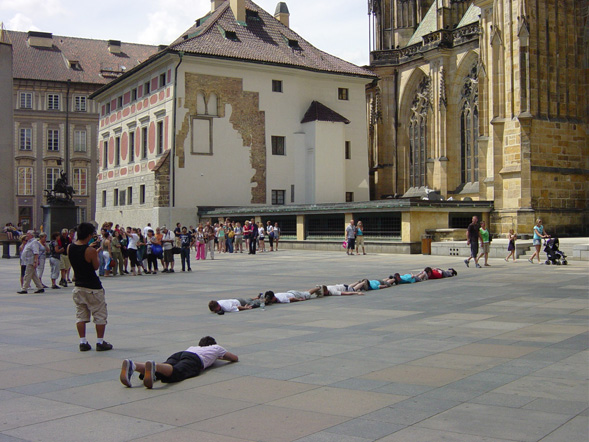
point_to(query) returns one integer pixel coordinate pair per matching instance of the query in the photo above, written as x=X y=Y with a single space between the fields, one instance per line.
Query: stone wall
x=246 y=119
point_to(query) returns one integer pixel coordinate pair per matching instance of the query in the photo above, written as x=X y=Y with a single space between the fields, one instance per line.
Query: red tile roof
x=264 y=39
x=319 y=112
x=97 y=64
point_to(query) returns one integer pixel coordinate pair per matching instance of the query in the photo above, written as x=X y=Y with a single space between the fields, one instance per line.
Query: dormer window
x=75 y=65
x=251 y=15
x=293 y=44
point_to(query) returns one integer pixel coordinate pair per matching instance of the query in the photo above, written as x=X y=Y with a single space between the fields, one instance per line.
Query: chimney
x=238 y=8
x=114 y=46
x=40 y=39
x=281 y=14
x=215 y=4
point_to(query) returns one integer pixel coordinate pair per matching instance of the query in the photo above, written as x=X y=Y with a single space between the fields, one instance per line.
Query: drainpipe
x=173 y=159
x=396 y=79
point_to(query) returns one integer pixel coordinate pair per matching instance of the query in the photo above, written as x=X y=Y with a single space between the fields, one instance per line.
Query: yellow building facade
x=483 y=100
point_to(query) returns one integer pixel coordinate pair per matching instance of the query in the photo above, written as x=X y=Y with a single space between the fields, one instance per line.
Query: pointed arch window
x=418 y=135
x=469 y=124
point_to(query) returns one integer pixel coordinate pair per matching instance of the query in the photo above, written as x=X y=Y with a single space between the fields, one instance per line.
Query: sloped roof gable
x=263 y=39
x=319 y=112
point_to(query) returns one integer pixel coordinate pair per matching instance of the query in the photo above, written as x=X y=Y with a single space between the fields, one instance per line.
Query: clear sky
x=339 y=27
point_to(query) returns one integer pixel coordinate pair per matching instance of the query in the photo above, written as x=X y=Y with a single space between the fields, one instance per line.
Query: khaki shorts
x=64 y=263
x=359 y=240
x=485 y=247
x=90 y=302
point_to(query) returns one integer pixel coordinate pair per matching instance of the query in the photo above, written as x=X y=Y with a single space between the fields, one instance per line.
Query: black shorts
x=186 y=365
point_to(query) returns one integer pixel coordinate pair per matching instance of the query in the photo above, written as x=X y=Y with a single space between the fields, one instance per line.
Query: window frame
x=80 y=103
x=104 y=198
x=117 y=161
x=348 y=150
x=28 y=139
x=130 y=196
x=343 y=93
x=78 y=146
x=159 y=137
x=142 y=194
x=132 y=146
x=53 y=140
x=24 y=180
x=144 y=142
x=276 y=194
x=278 y=143
x=55 y=175
x=80 y=181
x=115 y=199
x=28 y=98
x=277 y=86
x=53 y=102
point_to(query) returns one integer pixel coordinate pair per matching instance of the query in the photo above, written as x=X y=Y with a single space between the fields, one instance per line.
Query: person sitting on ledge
x=178 y=367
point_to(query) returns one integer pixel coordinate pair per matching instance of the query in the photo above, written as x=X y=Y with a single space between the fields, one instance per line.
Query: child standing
x=511 y=246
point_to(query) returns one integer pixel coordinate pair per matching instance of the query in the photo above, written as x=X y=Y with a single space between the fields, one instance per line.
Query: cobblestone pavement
x=494 y=354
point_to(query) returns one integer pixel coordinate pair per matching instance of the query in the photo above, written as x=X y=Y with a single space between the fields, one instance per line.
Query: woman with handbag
x=154 y=249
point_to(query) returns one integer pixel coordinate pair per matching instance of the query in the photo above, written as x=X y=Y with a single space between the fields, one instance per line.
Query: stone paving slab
x=494 y=354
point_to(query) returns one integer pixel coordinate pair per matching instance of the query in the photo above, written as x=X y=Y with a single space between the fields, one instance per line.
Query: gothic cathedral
x=483 y=100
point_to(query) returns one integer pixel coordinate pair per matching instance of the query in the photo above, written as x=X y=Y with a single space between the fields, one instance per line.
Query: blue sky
x=337 y=27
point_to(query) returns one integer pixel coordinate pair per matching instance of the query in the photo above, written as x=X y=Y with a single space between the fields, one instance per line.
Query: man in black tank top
x=88 y=294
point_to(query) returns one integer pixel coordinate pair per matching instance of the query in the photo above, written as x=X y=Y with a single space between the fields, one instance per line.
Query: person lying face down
x=286 y=297
x=233 y=305
x=438 y=273
x=410 y=278
x=179 y=366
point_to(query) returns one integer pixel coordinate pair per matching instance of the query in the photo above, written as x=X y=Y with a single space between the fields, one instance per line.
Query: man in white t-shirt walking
x=30 y=258
x=178 y=367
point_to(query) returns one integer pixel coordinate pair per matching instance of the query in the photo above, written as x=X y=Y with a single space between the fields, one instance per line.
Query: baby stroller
x=553 y=255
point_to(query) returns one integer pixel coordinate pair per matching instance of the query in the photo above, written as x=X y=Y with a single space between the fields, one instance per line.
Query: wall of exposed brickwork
x=246 y=118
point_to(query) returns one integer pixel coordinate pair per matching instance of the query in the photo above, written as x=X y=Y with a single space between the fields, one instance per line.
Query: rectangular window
x=119 y=102
x=142 y=194
x=52 y=102
x=115 y=199
x=278 y=197
x=134 y=94
x=52 y=175
x=104 y=198
x=25 y=180
x=82 y=215
x=79 y=103
x=26 y=139
x=160 y=137
x=348 y=150
x=146 y=88
x=349 y=197
x=79 y=141
x=276 y=85
x=117 y=151
x=105 y=154
x=144 y=142
x=132 y=146
x=162 y=80
x=278 y=145
x=292 y=193
x=26 y=100
x=343 y=93
x=202 y=139
x=80 y=182
x=53 y=139
x=129 y=196
x=108 y=107
x=122 y=197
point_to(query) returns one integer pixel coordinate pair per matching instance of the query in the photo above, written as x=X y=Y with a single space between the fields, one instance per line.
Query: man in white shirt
x=146 y=229
x=286 y=297
x=168 y=245
x=233 y=305
x=178 y=367
x=30 y=258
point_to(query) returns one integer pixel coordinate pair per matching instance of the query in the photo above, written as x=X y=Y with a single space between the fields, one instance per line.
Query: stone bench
x=6 y=243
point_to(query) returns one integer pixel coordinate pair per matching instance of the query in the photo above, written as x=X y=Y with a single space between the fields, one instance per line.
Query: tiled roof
x=96 y=63
x=427 y=25
x=320 y=112
x=263 y=39
x=470 y=16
